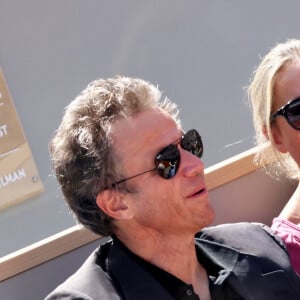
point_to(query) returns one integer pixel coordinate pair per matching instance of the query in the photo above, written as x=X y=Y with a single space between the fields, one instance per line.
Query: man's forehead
x=134 y=133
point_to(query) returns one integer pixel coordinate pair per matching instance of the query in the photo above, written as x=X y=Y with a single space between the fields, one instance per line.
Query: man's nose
x=191 y=164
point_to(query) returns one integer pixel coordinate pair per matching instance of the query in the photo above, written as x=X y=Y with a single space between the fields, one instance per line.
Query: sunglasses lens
x=293 y=113
x=167 y=162
x=192 y=142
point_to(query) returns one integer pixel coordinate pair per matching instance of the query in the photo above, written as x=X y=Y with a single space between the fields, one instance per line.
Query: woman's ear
x=265 y=132
x=113 y=203
x=277 y=139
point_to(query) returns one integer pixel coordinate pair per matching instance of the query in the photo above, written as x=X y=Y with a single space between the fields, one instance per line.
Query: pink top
x=290 y=234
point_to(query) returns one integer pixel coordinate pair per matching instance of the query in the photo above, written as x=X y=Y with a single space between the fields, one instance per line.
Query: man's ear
x=113 y=203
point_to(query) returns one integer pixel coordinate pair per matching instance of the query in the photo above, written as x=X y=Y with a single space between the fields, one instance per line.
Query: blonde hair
x=261 y=94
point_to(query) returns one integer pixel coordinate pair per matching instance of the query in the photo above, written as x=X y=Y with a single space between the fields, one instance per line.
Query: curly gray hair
x=81 y=150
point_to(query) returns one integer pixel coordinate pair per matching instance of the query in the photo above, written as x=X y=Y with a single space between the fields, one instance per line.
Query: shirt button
x=189 y=292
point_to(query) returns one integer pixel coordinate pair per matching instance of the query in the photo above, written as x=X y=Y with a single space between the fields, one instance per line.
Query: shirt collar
x=217 y=259
x=121 y=261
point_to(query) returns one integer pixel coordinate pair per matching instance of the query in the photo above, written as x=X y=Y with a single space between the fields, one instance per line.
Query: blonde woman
x=274 y=95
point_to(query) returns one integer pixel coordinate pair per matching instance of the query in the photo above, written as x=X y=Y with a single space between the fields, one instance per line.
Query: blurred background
x=200 y=53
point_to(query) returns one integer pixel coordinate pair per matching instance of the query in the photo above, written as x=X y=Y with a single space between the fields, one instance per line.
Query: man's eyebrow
x=178 y=140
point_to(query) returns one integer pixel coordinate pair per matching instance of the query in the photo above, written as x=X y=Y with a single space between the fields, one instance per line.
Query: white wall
x=201 y=53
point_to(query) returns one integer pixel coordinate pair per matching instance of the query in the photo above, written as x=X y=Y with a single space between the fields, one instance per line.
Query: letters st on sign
x=19 y=178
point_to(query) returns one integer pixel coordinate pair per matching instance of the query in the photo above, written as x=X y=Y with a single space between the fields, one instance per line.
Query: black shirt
x=179 y=290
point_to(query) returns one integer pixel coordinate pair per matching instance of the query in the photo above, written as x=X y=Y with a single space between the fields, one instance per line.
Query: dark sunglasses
x=291 y=112
x=167 y=160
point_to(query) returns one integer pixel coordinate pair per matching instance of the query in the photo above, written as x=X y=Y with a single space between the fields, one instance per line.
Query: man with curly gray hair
x=128 y=170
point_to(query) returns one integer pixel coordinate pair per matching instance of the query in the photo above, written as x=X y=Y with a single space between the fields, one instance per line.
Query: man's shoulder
x=242 y=235
x=89 y=282
x=255 y=255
